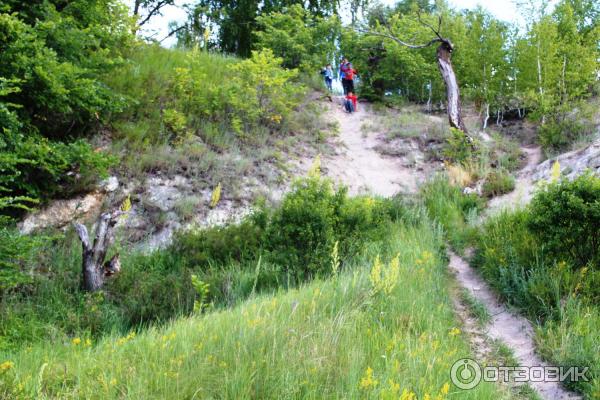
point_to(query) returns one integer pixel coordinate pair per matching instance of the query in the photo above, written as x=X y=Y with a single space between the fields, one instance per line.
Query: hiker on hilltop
x=328 y=75
x=347 y=74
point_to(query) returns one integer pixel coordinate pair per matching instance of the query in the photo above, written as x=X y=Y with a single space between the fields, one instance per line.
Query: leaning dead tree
x=95 y=270
x=444 y=60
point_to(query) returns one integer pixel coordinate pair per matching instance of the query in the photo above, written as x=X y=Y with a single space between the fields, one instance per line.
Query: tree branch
x=401 y=42
x=82 y=232
x=435 y=31
x=154 y=11
x=174 y=31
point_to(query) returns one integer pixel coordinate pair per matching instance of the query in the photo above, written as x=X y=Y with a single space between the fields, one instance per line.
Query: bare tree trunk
x=94 y=269
x=429 y=98
x=444 y=54
x=487 y=116
x=539 y=72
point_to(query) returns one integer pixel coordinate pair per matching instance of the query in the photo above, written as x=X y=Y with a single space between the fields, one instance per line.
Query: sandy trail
x=506 y=326
x=524 y=186
x=510 y=328
x=358 y=165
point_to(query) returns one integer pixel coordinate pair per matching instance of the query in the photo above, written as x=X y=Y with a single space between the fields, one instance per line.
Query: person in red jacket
x=351 y=102
x=349 y=75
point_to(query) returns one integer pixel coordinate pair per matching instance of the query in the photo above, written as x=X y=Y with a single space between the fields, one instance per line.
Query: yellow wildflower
x=315 y=169
x=394 y=387
x=6 y=365
x=555 y=173
x=454 y=332
x=444 y=390
x=215 y=196
x=367 y=381
x=406 y=395
x=76 y=341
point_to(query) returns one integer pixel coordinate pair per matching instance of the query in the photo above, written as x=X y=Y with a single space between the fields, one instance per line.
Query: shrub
x=458 y=148
x=221 y=245
x=560 y=132
x=302 y=232
x=16 y=251
x=565 y=217
x=35 y=168
x=498 y=182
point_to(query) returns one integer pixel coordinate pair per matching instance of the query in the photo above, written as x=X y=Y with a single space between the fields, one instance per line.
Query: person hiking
x=349 y=74
x=350 y=102
x=343 y=68
x=328 y=74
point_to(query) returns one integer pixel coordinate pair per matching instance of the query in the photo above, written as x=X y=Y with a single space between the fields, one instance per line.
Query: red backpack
x=349 y=74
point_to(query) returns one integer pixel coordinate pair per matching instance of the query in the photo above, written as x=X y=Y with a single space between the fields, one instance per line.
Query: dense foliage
x=303 y=41
x=52 y=57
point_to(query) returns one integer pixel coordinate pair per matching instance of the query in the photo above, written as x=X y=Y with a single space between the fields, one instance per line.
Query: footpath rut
x=358 y=164
x=363 y=169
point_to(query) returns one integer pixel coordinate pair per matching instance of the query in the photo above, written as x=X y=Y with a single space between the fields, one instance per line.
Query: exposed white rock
x=163 y=194
x=62 y=212
x=109 y=184
x=572 y=164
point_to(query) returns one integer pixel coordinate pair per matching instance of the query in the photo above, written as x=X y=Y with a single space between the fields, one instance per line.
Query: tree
x=299 y=38
x=482 y=62
x=95 y=270
x=234 y=22
x=444 y=61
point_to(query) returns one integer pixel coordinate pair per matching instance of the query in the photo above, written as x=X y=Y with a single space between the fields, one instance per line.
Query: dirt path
x=510 y=328
x=506 y=326
x=523 y=185
x=357 y=164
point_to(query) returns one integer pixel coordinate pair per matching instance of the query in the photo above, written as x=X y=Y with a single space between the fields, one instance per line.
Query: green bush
x=36 y=169
x=498 y=182
x=302 y=232
x=458 y=148
x=565 y=217
x=559 y=134
x=222 y=245
x=51 y=61
x=16 y=252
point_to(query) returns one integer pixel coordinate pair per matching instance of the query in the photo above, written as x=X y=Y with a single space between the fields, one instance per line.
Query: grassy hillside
x=354 y=336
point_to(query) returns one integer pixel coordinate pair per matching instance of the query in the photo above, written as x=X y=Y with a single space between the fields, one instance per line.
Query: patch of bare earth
x=524 y=183
x=506 y=326
x=358 y=161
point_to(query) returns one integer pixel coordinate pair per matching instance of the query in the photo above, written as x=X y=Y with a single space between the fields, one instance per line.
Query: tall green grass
x=329 y=339
x=454 y=210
